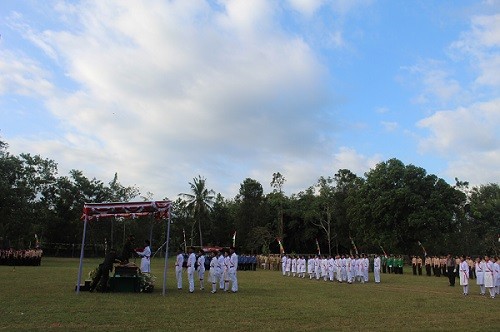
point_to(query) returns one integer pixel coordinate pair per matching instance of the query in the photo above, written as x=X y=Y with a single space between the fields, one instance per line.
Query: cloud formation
x=468 y=135
x=169 y=90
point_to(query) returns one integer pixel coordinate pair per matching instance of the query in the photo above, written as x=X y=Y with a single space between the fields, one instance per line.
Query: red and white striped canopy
x=95 y=211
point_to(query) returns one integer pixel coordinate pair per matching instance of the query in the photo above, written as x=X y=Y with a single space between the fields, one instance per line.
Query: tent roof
x=158 y=209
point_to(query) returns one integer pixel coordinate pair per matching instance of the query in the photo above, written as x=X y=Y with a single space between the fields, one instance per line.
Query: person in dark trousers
x=450 y=269
x=100 y=281
x=128 y=249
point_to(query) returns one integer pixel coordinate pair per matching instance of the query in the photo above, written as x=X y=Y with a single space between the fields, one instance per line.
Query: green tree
x=277 y=184
x=251 y=212
x=399 y=205
x=484 y=217
x=200 y=201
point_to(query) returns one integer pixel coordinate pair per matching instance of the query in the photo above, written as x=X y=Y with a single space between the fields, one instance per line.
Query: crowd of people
x=222 y=269
x=340 y=268
x=13 y=257
x=354 y=268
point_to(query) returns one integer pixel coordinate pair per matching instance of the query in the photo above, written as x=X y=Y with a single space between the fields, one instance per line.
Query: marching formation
x=341 y=268
x=222 y=273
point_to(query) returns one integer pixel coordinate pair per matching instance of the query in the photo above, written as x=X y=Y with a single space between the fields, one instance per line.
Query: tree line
x=394 y=207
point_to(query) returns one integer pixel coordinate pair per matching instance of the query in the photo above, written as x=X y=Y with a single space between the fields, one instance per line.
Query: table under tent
x=100 y=212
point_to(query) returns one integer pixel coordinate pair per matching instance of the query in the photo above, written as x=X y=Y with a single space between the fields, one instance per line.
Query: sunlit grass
x=43 y=297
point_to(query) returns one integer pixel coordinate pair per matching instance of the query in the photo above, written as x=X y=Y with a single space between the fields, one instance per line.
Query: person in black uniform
x=100 y=280
x=128 y=249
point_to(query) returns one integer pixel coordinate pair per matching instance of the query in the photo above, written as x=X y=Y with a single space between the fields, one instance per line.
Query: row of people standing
x=341 y=268
x=487 y=271
x=12 y=257
x=222 y=272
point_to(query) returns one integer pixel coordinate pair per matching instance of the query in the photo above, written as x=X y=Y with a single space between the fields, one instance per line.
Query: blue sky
x=164 y=91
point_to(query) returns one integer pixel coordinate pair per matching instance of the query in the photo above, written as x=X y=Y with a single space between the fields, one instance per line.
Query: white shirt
x=191 y=261
x=233 y=262
x=179 y=262
x=201 y=263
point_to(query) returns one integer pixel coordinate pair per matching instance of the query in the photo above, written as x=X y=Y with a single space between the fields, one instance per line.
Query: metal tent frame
x=97 y=211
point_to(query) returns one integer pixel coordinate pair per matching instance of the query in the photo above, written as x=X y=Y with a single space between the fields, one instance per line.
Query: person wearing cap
x=145 y=255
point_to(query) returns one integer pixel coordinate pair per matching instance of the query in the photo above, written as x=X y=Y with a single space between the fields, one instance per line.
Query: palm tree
x=199 y=201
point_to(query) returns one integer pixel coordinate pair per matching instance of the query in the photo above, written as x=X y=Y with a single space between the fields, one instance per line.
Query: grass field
x=44 y=298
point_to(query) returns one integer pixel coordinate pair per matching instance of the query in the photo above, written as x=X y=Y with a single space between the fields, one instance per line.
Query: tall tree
x=200 y=201
x=325 y=208
x=251 y=210
x=484 y=216
x=400 y=205
x=277 y=183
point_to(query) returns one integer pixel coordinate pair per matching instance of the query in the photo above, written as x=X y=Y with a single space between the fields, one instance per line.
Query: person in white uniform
x=233 y=267
x=489 y=282
x=178 y=268
x=191 y=262
x=310 y=266
x=496 y=275
x=294 y=266
x=201 y=268
x=463 y=270
x=145 y=255
x=480 y=275
x=220 y=259
x=376 y=268
x=283 y=264
x=214 y=271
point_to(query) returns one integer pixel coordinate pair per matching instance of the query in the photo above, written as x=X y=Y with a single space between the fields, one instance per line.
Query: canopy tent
x=98 y=211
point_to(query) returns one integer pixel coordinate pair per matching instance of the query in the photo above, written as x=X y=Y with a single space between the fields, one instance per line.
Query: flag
x=234 y=239
x=420 y=244
x=317 y=247
x=37 y=242
x=385 y=254
x=354 y=246
x=282 y=250
x=185 y=243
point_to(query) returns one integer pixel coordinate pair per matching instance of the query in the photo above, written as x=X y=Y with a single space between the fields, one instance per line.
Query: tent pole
x=166 y=252
x=80 y=267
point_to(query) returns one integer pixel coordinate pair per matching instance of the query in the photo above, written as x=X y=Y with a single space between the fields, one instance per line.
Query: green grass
x=44 y=298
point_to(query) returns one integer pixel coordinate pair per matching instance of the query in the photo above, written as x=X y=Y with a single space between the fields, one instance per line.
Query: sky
x=162 y=91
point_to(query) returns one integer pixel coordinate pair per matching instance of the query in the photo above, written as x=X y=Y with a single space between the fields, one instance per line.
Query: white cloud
x=357 y=163
x=437 y=83
x=23 y=76
x=481 y=44
x=169 y=90
x=389 y=125
x=466 y=136
x=306 y=7
x=473 y=128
